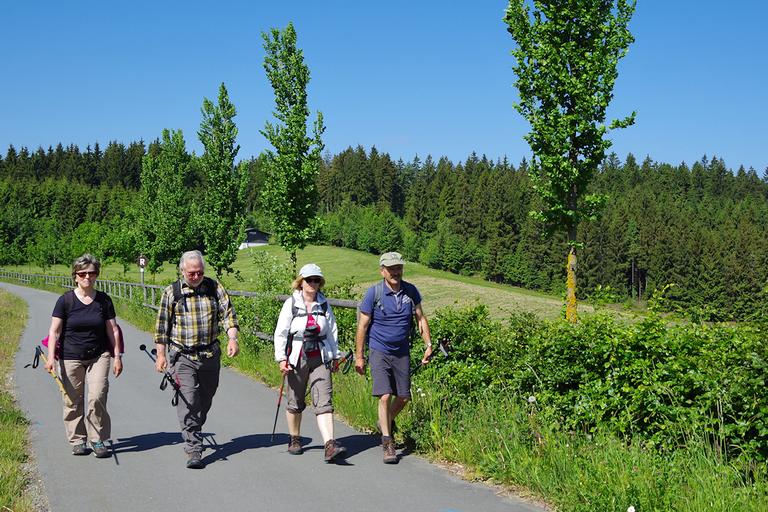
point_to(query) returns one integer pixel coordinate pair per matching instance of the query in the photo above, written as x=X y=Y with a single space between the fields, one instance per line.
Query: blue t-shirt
x=391 y=328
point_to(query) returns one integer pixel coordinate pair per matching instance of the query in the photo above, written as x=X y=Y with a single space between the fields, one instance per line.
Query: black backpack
x=208 y=288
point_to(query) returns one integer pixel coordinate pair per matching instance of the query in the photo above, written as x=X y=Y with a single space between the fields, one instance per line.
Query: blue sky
x=410 y=77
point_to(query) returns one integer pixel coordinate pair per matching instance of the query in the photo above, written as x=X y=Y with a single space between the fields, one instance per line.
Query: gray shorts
x=313 y=371
x=391 y=374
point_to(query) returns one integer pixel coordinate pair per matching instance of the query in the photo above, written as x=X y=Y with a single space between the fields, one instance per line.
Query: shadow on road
x=359 y=443
x=146 y=442
x=241 y=444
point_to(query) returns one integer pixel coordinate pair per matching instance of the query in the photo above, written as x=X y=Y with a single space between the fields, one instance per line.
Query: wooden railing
x=150 y=293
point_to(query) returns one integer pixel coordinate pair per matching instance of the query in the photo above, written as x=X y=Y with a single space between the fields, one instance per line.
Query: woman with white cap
x=307 y=350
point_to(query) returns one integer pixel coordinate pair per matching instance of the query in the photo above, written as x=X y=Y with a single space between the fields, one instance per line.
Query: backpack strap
x=295 y=309
x=209 y=289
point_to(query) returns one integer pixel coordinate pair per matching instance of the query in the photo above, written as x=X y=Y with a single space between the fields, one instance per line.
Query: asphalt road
x=245 y=471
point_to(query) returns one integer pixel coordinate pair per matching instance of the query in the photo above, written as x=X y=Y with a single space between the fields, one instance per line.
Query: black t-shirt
x=85 y=331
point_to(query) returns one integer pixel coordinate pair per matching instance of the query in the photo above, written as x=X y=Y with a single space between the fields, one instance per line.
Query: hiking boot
x=80 y=449
x=99 y=450
x=294 y=446
x=195 y=460
x=333 y=450
x=390 y=455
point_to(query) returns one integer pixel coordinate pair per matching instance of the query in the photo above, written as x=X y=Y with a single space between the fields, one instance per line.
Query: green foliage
x=165 y=223
x=648 y=381
x=290 y=191
x=222 y=212
x=566 y=65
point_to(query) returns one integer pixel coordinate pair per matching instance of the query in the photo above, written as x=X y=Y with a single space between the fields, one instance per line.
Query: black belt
x=195 y=349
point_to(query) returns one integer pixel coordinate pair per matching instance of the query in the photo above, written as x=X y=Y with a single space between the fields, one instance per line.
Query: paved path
x=245 y=471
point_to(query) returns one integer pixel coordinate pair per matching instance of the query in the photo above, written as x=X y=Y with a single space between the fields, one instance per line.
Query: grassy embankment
x=439 y=288
x=13 y=425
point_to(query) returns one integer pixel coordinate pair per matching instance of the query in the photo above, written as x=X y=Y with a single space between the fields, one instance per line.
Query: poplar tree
x=566 y=64
x=290 y=190
x=164 y=221
x=222 y=213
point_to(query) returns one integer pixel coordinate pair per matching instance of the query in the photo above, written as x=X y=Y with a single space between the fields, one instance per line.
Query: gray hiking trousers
x=198 y=381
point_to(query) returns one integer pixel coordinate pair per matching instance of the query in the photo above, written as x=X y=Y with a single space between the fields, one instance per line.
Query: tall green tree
x=566 y=64
x=222 y=213
x=290 y=191
x=164 y=204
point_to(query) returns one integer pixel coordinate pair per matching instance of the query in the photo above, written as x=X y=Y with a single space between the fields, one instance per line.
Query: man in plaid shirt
x=188 y=326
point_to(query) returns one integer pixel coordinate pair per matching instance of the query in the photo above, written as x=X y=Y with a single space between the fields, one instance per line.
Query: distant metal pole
x=142 y=284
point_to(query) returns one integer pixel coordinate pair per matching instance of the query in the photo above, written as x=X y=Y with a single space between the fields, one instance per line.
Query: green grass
x=500 y=438
x=439 y=288
x=13 y=425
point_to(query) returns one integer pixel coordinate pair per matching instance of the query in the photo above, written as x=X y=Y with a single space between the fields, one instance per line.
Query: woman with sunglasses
x=83 y=342
x=307 y=350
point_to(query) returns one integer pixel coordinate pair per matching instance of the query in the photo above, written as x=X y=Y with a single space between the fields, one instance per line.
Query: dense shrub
x=649 y=381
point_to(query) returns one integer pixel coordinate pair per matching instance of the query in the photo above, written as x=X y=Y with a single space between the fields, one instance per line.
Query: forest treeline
x=689 y=238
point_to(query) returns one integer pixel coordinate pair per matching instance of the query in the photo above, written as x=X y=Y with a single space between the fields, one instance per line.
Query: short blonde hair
x=296 y=284
x=84 y=261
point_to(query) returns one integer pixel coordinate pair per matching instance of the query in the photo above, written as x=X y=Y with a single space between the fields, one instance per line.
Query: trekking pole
x=167 y=377
x=36 y=362
x=344 y=362
x=277 y=412
x=442 y=345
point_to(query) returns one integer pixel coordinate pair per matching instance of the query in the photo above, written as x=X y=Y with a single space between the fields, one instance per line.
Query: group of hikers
x=85 y=342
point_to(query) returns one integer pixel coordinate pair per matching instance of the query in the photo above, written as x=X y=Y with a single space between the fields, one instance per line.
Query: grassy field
x=13 y=425
x=439 y=288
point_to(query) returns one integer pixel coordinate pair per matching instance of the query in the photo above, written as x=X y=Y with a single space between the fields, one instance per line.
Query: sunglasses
x=194 y=274
x=89 y=273
x=313 y=280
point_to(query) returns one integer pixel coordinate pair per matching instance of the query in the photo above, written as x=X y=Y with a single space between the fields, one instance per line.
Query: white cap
x=310 y=269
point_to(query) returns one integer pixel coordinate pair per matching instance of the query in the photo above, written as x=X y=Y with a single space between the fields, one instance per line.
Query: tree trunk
x=570 y=276
x=293 y=262
x=570 y=287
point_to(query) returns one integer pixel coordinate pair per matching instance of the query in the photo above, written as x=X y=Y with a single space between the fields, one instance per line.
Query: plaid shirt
x=193 y=322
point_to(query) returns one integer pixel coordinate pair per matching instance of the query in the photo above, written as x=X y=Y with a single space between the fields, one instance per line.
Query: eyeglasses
x=313 y=280
x=194 y=274
x=89 y=273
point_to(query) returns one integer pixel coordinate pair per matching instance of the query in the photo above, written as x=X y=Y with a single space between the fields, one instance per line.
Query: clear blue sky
x=410 y=77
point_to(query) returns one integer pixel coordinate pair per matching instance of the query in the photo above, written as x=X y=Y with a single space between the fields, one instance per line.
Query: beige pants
x=96 y=424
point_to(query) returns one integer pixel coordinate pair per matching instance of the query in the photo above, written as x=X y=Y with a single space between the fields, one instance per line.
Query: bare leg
x=385 y=417
x=294 y=422
x=397 y=405
x=325 y=424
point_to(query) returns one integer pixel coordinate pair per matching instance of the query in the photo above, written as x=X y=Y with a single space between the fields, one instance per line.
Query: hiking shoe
x=99 y=450
x=390 y=455
x=195 y=460
x=80 y=449
x=333 y=450
x=294 y=446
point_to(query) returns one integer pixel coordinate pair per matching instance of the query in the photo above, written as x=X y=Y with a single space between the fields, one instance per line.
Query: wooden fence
x=149 y=293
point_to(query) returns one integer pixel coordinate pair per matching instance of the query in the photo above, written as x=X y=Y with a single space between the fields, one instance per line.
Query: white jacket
x=288 y=324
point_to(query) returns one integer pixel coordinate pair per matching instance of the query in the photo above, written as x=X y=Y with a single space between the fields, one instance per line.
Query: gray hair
x=84 y=261
x=191 y=255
